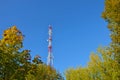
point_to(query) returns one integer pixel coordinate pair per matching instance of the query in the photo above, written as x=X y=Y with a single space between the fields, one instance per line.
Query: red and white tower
x=50 y=56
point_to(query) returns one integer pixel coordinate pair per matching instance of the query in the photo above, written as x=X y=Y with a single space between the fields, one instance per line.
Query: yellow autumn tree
x=105 y=63
x=12 y=60
x=12 y=37
x=112 y=15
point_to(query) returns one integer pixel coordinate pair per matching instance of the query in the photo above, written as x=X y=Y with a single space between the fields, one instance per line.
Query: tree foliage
x=105 y=63
x=16 y=64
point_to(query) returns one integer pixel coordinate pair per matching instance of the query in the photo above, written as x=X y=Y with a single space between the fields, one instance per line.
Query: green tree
x=43 y=72
x=10 y=55
x=40 y=71
x=16 y=64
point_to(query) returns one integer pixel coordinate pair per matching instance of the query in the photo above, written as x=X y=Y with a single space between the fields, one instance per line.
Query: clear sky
x=78 y=28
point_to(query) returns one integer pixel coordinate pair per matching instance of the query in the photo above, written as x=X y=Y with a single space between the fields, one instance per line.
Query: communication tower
x=50 y=56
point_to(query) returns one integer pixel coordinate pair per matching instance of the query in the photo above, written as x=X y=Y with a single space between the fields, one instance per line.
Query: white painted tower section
x=50 y=56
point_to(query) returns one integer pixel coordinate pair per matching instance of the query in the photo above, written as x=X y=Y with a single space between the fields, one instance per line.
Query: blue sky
x=78 y=28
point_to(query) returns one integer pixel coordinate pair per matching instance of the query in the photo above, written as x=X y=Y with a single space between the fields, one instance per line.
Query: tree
x=105 y=63
x=16 y=64
x=78 y=74
x=11 y=57
x=43 y=72
x=112 y=15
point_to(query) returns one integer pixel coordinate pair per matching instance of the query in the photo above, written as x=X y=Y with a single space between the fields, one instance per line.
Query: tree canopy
x=16 y=63
x=105 y=63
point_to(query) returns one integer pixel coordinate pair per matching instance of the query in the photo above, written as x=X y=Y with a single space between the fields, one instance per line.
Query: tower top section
x=50 y=26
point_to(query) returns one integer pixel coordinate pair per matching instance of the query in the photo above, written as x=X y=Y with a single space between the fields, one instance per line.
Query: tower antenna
x=50 y=56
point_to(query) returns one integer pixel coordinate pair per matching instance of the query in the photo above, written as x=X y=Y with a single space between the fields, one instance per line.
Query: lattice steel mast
x=50 y=56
